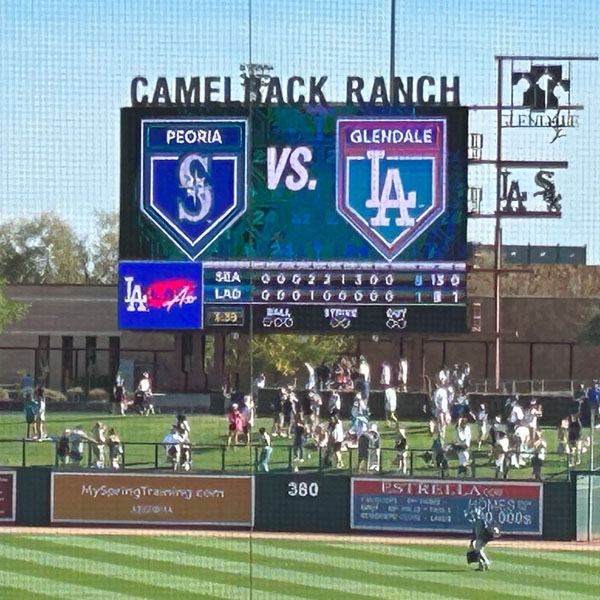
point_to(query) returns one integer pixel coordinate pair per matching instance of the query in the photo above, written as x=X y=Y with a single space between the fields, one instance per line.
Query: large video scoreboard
x=289 y=219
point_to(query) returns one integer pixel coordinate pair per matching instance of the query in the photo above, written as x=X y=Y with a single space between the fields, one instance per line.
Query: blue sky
x=66 y=67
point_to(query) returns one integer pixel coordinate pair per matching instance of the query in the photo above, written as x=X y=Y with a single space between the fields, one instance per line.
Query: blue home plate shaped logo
x=391 y=178
x=193 y=178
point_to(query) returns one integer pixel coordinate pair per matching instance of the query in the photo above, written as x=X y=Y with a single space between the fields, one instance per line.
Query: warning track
x=317 y=537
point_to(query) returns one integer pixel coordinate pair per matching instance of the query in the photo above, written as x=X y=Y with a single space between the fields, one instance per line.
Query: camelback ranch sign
x=259 y=87
x=304 y=211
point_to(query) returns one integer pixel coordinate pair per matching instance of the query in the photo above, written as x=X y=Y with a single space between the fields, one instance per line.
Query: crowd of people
x=312 y=419
x=142 y=400
x=104 y=444
x=513 y=439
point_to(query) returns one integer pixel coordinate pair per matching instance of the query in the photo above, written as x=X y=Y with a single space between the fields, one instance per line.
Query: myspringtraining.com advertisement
x=114 y=498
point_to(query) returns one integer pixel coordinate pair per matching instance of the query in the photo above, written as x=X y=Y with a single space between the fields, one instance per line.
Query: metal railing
x=223 y=458
x=524 y=386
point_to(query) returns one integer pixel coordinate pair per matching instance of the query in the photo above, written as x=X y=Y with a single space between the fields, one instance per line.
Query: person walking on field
x=115 y=449
x=266 y=450
x=365 y=372
x=299 y=441
x=100 y=434
x=31 y=410
x=236 y=425
x=338 y=437
x=40 y=417
x=400 y=461
x=482 y=425
x=390 y=405
x=403 y=373
x=119 y=396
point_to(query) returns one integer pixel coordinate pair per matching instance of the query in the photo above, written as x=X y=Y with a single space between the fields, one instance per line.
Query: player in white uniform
x=391 y=403
x=483 y=426
x=442 y=410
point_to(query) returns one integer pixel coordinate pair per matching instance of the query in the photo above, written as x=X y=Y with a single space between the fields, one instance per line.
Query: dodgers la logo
x=193 y=178
x=391 y=178
x=160 y=295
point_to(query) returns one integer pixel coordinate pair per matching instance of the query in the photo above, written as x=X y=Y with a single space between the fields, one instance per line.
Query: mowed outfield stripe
x=33 y=585
x=418 y=561
x=515 y=560
x=176 y=585
x=87 y=572
x=331 y=566
x=575 y=562
x=273 y=577
x=222 y=574
x=329 y=579
x=537 y=573
x=7 y=591
x=333 y=555
x=61 y=577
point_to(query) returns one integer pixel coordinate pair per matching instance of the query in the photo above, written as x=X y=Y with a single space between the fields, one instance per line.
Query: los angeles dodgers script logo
x=160 y=295
x=193 y=178
x=391 y=178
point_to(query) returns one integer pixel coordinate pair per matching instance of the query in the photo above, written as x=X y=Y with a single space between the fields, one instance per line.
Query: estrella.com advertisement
x=431 y=505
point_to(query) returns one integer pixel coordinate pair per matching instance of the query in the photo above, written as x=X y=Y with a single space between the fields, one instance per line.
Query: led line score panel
x=351 y=284
x=335 y=296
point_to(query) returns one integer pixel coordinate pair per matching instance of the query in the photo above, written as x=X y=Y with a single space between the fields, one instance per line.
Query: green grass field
x=210 y=432
x=171 y=567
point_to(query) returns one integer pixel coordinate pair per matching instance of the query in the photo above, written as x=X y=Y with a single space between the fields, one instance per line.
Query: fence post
x=156 y=456
x=590 y=532
x=412 y=453
x=24 y=454
x=290 y=458
x=223 y=449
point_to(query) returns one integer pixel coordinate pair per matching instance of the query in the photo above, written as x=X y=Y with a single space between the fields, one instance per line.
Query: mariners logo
x=391 y=178
x=193 y=178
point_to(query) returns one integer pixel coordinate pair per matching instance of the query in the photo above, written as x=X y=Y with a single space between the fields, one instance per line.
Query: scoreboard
x=296 y=219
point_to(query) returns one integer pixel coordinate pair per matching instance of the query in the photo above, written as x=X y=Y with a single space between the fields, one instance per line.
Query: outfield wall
x=302 y=502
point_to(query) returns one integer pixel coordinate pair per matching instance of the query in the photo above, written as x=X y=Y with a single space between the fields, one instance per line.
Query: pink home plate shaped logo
x=391 y=178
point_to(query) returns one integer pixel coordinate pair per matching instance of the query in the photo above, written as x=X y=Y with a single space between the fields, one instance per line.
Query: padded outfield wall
x=291 y=502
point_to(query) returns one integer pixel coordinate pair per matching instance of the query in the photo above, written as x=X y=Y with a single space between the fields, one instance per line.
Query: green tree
x=44 y=249
x=10 y=311
x=285 y=354
x=104 y=253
